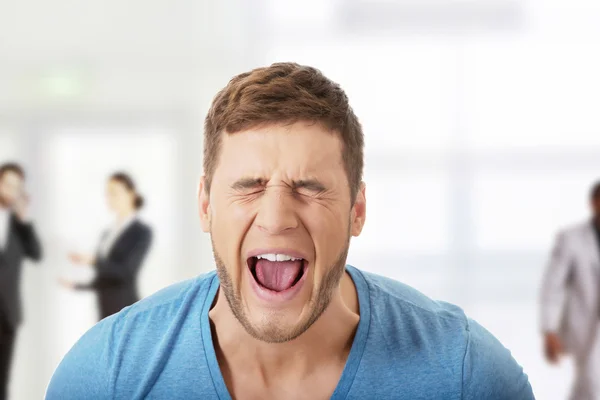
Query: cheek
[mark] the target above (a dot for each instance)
(229, 226)
(230, 218)
(242, 214)
(11, 193)
(329, 232)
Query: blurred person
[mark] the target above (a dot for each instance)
(121, 252)
(570, 301)
(18, 240)
(283, 316)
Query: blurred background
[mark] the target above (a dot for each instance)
(481, 122)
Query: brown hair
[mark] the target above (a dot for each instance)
(284, 93)
(127, 181)
(12, 167)
(595, 191)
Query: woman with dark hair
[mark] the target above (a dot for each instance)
(122, 249)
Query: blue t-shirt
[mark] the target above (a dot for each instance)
(406, 346)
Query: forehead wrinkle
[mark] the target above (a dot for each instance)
(273, 161)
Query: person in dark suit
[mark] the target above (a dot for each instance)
(18, 240)
(123, 248)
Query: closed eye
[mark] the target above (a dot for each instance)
(255, 186)
(309, 187)
(249, 185)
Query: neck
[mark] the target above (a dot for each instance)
(327, 341)
(123, 215)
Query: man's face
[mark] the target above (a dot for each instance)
(280, 218)
(11, 186)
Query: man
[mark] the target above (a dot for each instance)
(283, 317)
(17, 241)
(570, 301)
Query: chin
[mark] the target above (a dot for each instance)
(276, 329)
(276, 324)
(272, 316)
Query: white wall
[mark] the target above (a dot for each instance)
(481, 139)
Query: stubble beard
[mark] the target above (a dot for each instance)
(271, 330)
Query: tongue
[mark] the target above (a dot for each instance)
(277, 275)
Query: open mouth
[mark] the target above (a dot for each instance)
(277, 272)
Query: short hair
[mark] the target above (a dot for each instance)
(595, 191)
(12, 167)
(284, 93)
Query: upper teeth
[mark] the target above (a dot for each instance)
(277, 257)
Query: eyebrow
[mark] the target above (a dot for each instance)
(248, 183)
(310, 184)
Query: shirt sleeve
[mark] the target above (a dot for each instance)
(489, 370)
(554, 288)
(29, 240)
(84, 373)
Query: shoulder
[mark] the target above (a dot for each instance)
(574, 230)
(169, 296)
(390, 295)
(570, 236)
(409, 324)
(141, 225)
(159, 314)
(142, 228)
(160, 309)
(128, 340)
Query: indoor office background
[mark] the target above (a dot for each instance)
(481, 124)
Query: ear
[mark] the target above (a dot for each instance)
(359, 211)
(204, 205)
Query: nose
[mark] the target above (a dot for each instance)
(276, 213)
